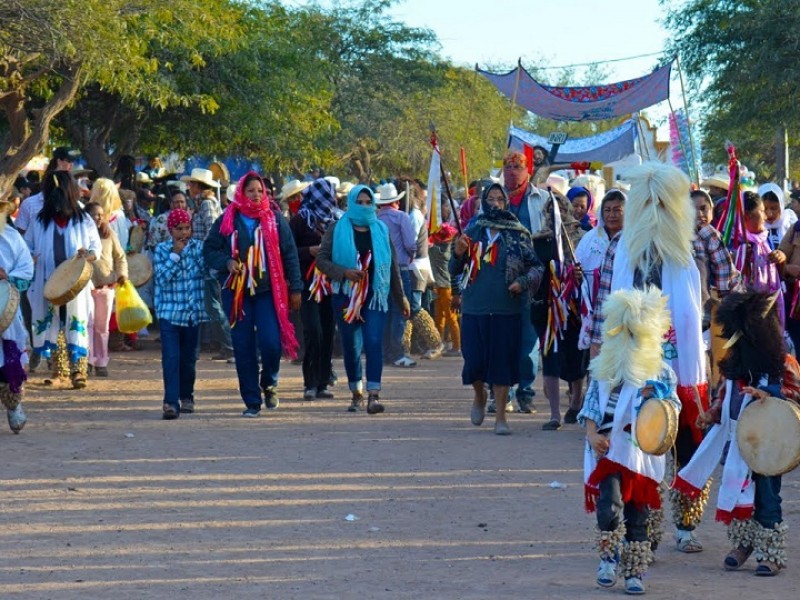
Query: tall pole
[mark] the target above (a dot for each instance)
(688, 121)
(516, 90)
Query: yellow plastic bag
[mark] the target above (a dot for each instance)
(132, 313)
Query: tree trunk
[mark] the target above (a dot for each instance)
(781, 156)
(20, 152)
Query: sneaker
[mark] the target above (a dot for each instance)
(271, 400)
(634, 586)
(187, 406)
(357, 403)
(607, 573)
(251, 413)
(333, 379)
(452, 354)
(170, 413)
(101, 371)
(309, 394)
(434, 352)
(571, 416)
(525, 405)
(16, 418)
(374, 405)
(324, 394)
(405, 362)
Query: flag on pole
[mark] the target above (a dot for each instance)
(435, 189)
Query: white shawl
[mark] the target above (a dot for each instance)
(16, 261)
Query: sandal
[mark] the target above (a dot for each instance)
(687, 542)
(767, 569)
(78, 381)
(737, 557)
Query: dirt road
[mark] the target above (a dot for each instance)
(103, 499)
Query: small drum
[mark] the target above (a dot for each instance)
(768, 434)
(9, 302)
(68, 280)
(656, 426)
(136, 239)
(140, 269)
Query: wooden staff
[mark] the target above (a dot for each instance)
(446, 183)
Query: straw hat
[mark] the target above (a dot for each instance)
(203, 176)
(295, 186)
(344, 188)
(142, 177)
(387, 193)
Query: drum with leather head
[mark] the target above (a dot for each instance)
(140, 269)
(68, 280)
(768, 434)
(656, 426)
(136, 239)
(9, 302)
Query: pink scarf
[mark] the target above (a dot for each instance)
(752, 260)
(270, 247)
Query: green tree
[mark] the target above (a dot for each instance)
(742, 63)
(52, 49)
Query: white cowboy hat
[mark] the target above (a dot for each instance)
(295, 186)
(203, 176)
(334, 181)
(142, 177)
(344, 188)
(387, 193)
(557, 183)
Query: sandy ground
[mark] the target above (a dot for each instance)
(103, 499)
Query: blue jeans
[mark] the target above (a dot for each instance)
(257, 329)
(219, 329)
(178, 361)
(358, 337)
(396, 326)
(767, 502)
(529, 357)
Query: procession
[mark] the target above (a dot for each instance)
(559, 362)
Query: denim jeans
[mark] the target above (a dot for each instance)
(611, 511)
(178, 361)
(318, 330)
(219, 329)
(258, 330)
(529, 357)
(396, 325)
(358, 337)
(767, 501)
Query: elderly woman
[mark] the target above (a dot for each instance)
(492, 269)
(61, 231)
(252, 249)
(582, 204)
(358, 257)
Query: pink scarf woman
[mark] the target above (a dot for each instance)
(265, 247)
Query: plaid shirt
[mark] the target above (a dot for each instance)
(207, 212)
(709, 249)
(591, 403)
(606, 272)
(179, 284)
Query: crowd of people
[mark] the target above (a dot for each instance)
(631, 288)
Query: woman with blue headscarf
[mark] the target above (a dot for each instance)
(492, 270)
(358, 258)
(316, 213)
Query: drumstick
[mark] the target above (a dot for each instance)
(698, 401)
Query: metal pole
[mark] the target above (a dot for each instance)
(688, 121)
(516, 89)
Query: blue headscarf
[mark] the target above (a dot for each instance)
(573, 193)
(344, 246)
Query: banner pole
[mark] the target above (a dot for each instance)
(688, 121)
(516, 89)
(680, 139)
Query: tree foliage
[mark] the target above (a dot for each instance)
(742, 59)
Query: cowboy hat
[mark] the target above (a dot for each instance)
(557, 183)
(720, 179)
(203, 176)
(142, 177)
(295, 186)
(387, 193)
(344, 188)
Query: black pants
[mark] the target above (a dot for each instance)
(611, 511)
(318, 326)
